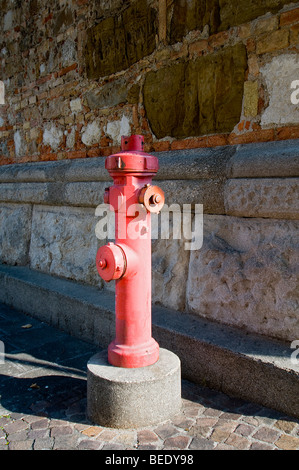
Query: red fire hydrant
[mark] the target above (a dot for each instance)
(128, 260)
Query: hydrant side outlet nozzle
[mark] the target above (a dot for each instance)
(128, 260)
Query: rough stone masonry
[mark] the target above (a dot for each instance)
(75, 73)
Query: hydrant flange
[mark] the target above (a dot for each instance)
(152, 197)
(110, 262)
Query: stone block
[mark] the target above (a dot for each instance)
(170, 263)
(268, 160)
(206, 192)
(86, 194)
(63, 242)
(218, 15)
(250, 99)
(194, 164)
(117, 42)
(199, 97)
(237, 12)
(275, 198)
(289, 17)
(246, 275)
(265, 25)
(195, 14)
(52, 135)
(15, 231)
(23, 192)
(115, 129)
(76, 105)
(2, 93)
(273, 41)
(278, 76)
(8, 20)
(91, 133)
(62, 20)
(109, 95)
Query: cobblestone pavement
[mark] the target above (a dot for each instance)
(43, 403)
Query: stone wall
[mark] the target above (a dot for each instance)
(197, 79)
(245, 273)
(185, 74)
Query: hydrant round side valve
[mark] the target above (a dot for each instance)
(110, 262)
(152, 197)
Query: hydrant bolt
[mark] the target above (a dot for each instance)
(156, 198)
(102, 263)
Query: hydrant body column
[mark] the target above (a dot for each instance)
(128, 261)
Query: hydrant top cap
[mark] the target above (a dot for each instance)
(132, 157)
(133, 143)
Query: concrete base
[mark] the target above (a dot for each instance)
(130, 398)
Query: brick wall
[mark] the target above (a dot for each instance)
(185, 74)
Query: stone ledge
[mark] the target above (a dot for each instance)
(254, 180)
(251, 367)
(261, 160)
(265, 160)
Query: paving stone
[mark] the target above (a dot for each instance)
(40, 424)
(38, 433)
(21, 445)
(266, 434)
(43, 444)
(212, 412)
(288, 443)
(222, 431)
(193, 411)
(148, 447)
(286, 426)
(251, 420)
(201, 444)
(182, 422)
(81, 426)
(146, 437)
(18, 436)
(239, 442)
(231, 416)
(88, 444)
(261, 446)
(166, 430)
(244, 429)
(3, 444)
(206, 422)
(108, 435)
(4, 420)
(224, 446)
(15, 426)
(65, 442)
(128, 438)
(177, 442)
(61, 431)
(113, 446)
(92, 431)
(30, 419)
